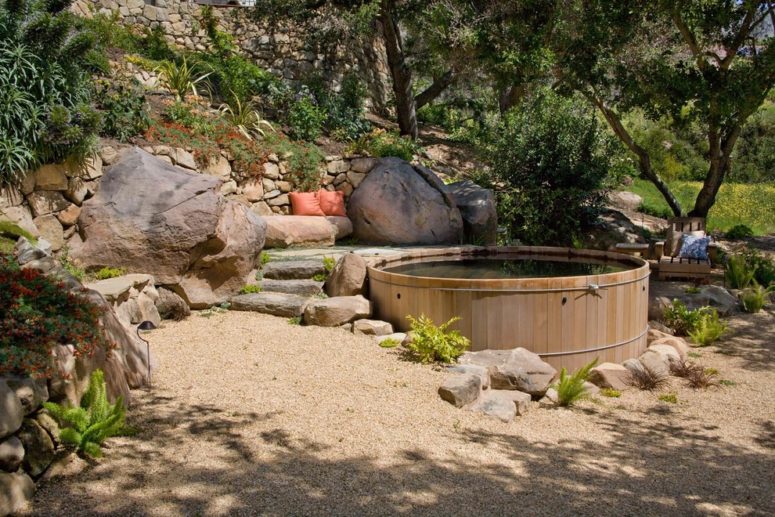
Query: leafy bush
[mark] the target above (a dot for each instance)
(124, 110)
(739, 231)
(708, 328)
(45, 88)
(380, 143)
(552, 159)
(570, 388)
(109, 272)
(738, 273)
(36, 313)
(250, 289)
(643, 379)
(305, 119)
(436, 343)
(680, 318)
(344, 109)
(89, 425)
(754, 298)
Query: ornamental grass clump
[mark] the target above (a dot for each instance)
(754, 298)
(38, 313)
(644, 379)
(570, 388)
(88, 426)
(436, 343)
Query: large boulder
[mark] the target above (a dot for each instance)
(610, 375)
(152, 217)
(477, 206)
(11, 410)
(399, 203)
(518, 369)
(348, 277)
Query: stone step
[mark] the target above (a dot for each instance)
(299, 287)
(276, 304)
(293, 269)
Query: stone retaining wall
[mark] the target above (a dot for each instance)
(283, 52)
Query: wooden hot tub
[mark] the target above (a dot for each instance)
(568, 320)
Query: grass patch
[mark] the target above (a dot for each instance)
(109, 272)
(389, 343)
(727, 382)
(611, 393)
(250, 289)
(751, 205)
(296, 320)
(670, 398)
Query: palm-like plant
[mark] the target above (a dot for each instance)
(245, 117)
(570, 388)
(183, 78)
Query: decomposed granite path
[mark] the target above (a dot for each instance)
(252, 415)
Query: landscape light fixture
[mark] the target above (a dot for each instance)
(144, 326)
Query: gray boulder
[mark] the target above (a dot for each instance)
(474, 369)
(502, 404)
(518, 369)
(16, 490)
(171, 306)
(30, 392)
(399, 203)
(348, 277)
(276, 304)
(152, 217)
(11, 454)
(293, 269)
(38, 447)
(477, 206)
(11, 410)
(460, 390)
(299, 287)
(333, 312)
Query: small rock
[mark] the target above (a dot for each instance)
(551, 397)
(305, 288)
(460, 390)
(678, 344)
(11, 410)
(663, 329)
(171, 306)
(11, 454)
(51, 229)
(473, 369)
(657, 306)
(332, 312)
(109, 155)
(634, 366)
(498, 404)
(397, 336)
(51, 177)
(658, 364)
(26, 252)
(591, 389)
(185, 159)
(30, 392)
(38, 447)
(44, 202)
(372, 327)
(219, 168)
(50, 425)
(610, 375)
(293, 270)
(672, 355)
(69, 216)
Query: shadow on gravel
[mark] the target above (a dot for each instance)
(670, 469)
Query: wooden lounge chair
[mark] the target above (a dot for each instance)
(670, 266)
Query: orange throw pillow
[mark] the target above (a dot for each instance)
(332, 203)
(305, 203)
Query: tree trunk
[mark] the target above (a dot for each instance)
(406, 110)
(644, 161)
(434, 90)
(720, 161)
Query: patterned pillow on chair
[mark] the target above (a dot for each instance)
(693, 247)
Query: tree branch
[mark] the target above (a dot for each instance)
(434, 90)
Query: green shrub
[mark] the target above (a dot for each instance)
(738, 273)
(344, 109)
(250, 289)
(45, 88)
(328, 264)
(109, 272)
(305, 119)
(89, 425)
(570, 388)
(670, 398)
(380, 143)
(124, 110)
(436, 343)
(38, 313)
(551, 159)
(611, 393)
(739, 231)
(708, 328)
(69, 266)
(754, 298)
(389, 343)
(762, 265)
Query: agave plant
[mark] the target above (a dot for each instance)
(183, 78)
(245, 117)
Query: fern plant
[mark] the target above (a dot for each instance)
(708, 328)
(436, 343)
(737, 272)
(754, 298)
(88, 426)
(570, 388)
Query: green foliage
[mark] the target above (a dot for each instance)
(682, 319)
(611, 393)
(670, 398)
(182, 78)
(739, 231)
(436, 343)
(344, 109)
(45, 88)
(124, 110)
(570, 388)
(109, 272)
(264, 259)
(552, 160)
(36, 314)
(305, 119)
(754, 298)
(380, 143)
(250, 289)
(68, 265)
(762, 265)
(245, 117)
(389, 343)
(320, 277)
(296, 320)
(9, 234)
(328, 264)
(708, 329)
(753, 159)
(89, 425)
(738, 273)
(304, 160)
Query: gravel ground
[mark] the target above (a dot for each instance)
(251, 415)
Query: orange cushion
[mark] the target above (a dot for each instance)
(306, 203)
(332, 203)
